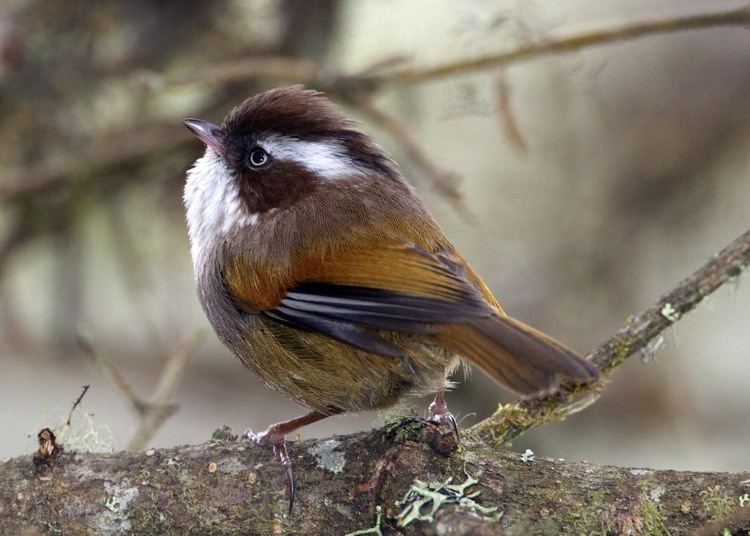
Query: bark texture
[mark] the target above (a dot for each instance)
(227, 486)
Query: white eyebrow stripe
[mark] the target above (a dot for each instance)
(325, 158)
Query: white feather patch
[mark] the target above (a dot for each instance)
(213, 205)
(326, 159)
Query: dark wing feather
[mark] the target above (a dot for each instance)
(343, 331)
(351, 314)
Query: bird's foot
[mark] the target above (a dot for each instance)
(275, 436)
(437, 413)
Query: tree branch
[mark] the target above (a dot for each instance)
(231, 487)
(571, 43)
(512, 420)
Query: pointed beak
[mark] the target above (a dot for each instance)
(210, 134)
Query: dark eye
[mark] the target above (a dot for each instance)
(258, 157)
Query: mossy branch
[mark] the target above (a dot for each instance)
(401, 480)
(512, 420)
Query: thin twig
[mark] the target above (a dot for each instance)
(76, 403)
(505, 111)
(512, 420)
(125, 390)
(571, 43)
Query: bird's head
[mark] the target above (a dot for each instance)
(271, 152)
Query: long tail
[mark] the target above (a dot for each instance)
(517, 355)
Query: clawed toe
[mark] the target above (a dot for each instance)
(276, 438)
(438, 413)
(275, 435)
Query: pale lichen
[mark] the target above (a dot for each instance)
(231, 466)
(375, 529)
(648, 352)
(656, 494)
(423, 500)
(114, 517)
(670, 313)
(328, 458)
(641, 472)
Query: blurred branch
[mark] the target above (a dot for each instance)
(571, 43)
(161, 408)
(155, 139)
(17, 233)
(508, 120)
(92, 164)
(153, 414)
(445, 182)
(371, 79)
(512, 420)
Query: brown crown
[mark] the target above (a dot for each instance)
(289, 111)
(304, 114)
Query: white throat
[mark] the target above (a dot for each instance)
(213, 205)
(212, 198)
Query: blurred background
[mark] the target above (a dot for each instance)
(581, 185)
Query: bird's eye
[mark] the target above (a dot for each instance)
(258, 157)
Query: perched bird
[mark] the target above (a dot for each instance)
(323, 271)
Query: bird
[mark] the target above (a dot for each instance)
(320, 267)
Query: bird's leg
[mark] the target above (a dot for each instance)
(276, 435)
(437, 412)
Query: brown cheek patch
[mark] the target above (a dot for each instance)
(281, 185)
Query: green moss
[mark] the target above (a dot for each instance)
(506, 422)
(717, 503)
(654, 521)
(622, 351)
(150, 518)
(596, 518)
(223, 434)
(403, 429)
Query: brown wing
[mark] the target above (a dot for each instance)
(352, 294)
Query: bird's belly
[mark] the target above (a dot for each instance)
(326, 375)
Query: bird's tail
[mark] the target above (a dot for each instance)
(517, 355)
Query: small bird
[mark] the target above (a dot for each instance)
(323, 271)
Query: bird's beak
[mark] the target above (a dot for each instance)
(210, 134)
